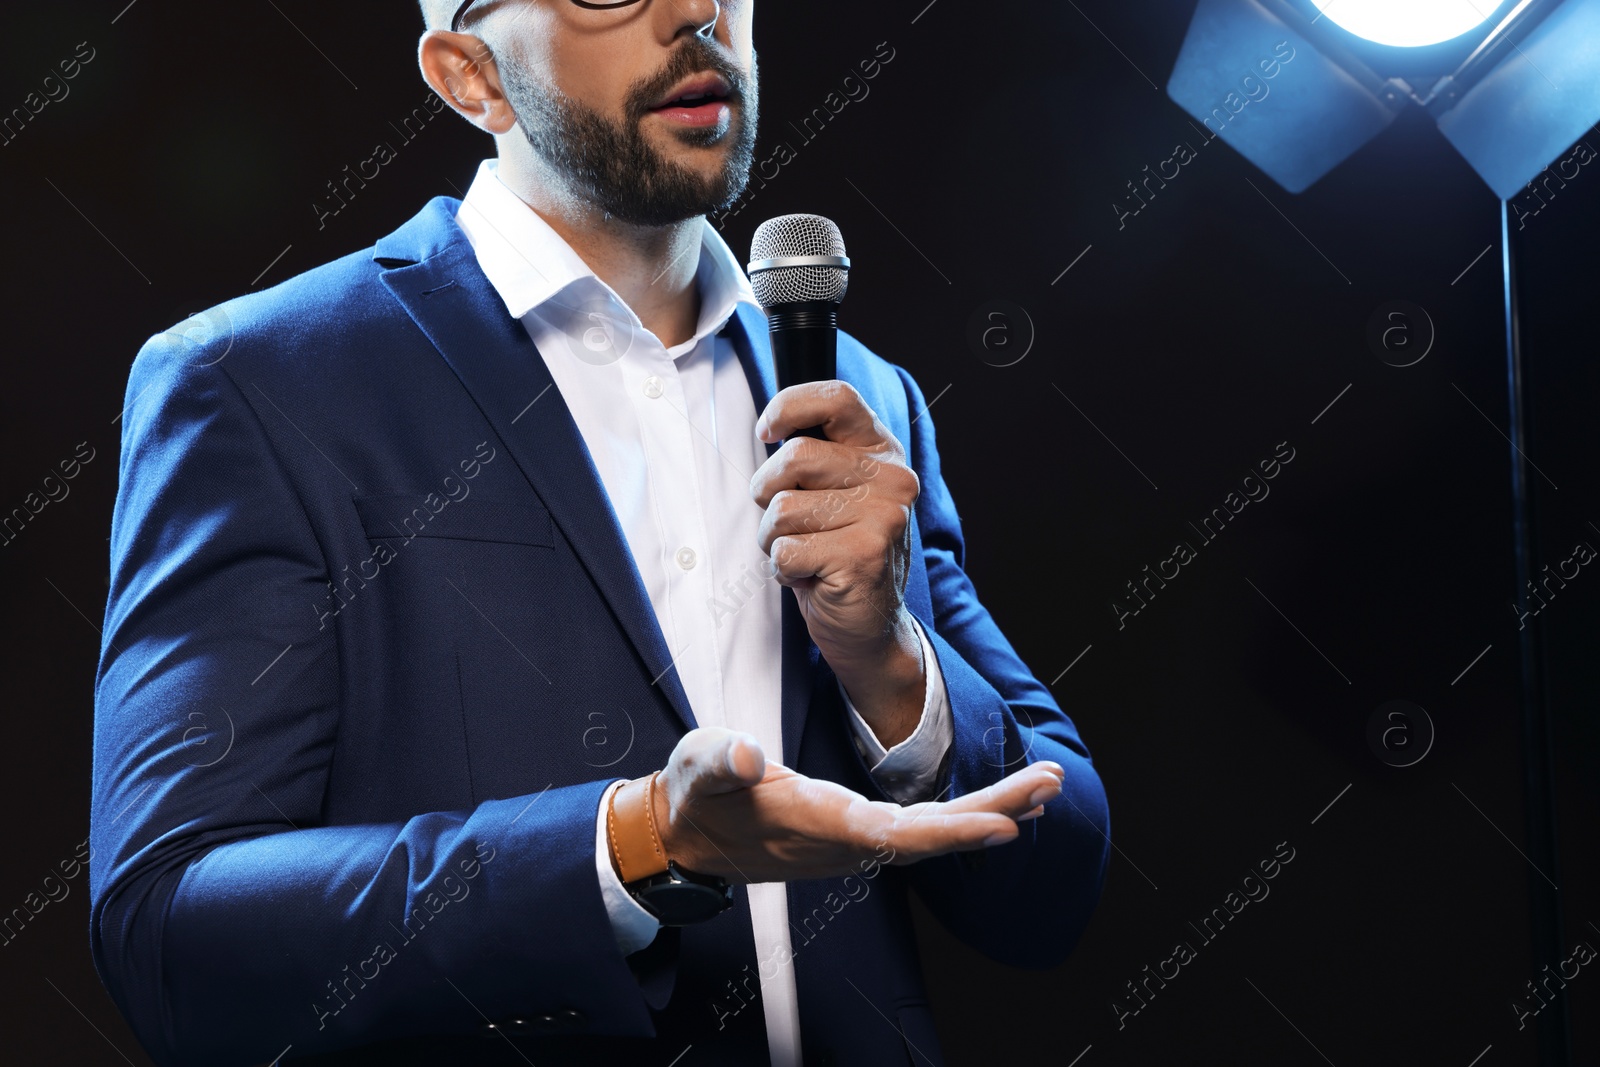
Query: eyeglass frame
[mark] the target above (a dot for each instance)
(455, 22)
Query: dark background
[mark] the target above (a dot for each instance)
(1228, 716)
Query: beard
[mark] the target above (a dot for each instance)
(613, 166)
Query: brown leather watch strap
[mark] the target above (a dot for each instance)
(636, 847)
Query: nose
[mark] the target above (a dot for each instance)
(703, 17)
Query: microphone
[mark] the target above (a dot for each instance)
(799, 271)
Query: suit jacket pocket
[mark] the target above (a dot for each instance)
(403, 516)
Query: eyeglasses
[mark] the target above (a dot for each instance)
(455, 23)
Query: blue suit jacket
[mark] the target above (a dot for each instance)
(375, 645)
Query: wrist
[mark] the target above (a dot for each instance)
(891, 658)
(887, 686)
(674, 895)
(633, 829)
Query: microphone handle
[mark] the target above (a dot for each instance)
(805, 345)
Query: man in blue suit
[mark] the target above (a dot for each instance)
(491, 672)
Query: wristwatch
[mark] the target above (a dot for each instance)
(674, 895)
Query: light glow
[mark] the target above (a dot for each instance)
(1407, 23)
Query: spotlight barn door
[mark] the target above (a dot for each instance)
(1253, 81)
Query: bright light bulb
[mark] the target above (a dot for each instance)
(1407, 23)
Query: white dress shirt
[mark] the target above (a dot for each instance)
(672, 433)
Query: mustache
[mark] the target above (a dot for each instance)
(695, 56)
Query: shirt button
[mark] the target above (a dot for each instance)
(652, 387)
(686, 557)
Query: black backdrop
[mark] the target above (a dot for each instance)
(1184, 345)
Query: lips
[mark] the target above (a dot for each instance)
(702, 90)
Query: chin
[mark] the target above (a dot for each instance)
(707, 161)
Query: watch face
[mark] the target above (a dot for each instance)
(680, 902)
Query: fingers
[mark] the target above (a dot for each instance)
(812, 464)
(746, 762)
(835, 405)
(982, 819)
(917, 835)
(713, 759)
(803, 511)
(807, 463)
(1017, 793)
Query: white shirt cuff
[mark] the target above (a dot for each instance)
(907, 772)
(634, 927)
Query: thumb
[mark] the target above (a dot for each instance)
(722, 760)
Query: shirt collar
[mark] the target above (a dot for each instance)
(530, 265)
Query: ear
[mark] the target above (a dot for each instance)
(461, 69)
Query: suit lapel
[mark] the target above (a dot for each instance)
(435, 276)
(452, 302)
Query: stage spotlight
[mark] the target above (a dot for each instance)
(1298, 86)
(1405, 24)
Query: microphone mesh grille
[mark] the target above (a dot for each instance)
(798, 235)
